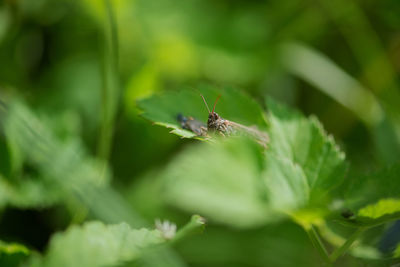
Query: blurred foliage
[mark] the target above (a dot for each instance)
(11, 254)
(301, 164)
(79, 81)
(106, 245)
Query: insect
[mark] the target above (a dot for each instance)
(216, 124)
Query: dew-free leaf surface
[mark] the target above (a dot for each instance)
(96, 244)
(220, 181)
(163, 109)
(304, 143)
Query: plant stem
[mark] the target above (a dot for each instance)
(110, 90)
(316, 241)
(346, 245)
(196, 224)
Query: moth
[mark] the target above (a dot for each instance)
(218, 125)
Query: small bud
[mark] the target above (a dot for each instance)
(167, 228)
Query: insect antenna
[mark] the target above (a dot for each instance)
(216, 100)
(205, 102)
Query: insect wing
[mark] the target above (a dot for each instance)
(261, 137)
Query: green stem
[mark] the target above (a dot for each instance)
(346, 245)
(195, 225)
(316, 241)
(110, 90)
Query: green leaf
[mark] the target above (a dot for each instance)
(163, 109)
(12, 254)
(381, 208)
(221, 181)
(285, 184)
(303, 142)
(96, 244)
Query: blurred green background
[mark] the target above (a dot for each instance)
(82, 65)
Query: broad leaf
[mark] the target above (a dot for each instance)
(163, 109)
(303, 142)
(285, 184)
(313, 165)
(96, 244)
(220, 181)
